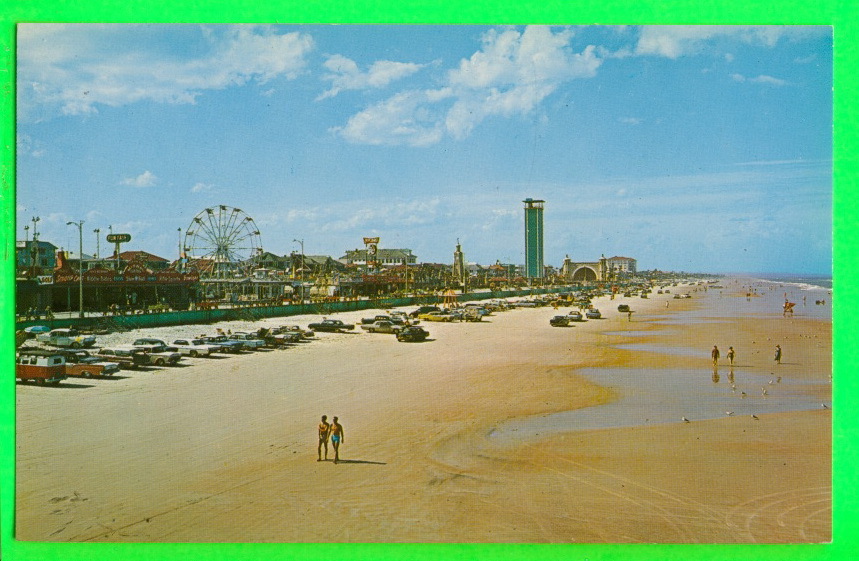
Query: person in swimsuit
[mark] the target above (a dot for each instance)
(324, 431)
(336, 438)
(731, 355)
(714, 354)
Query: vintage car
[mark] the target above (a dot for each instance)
(623, 308)
(331, 325)
(412, 334)
(82, 363)
(424, 310)
(383, 326)
(227, 345)
(560, 321)
(374, 319)
(41, 367)
(126, 357)
(250, 340)
(593, 313)
(436, 316)
(575, 315)
(157, 352)
(305, 333)
(66, 337)
(195, 347)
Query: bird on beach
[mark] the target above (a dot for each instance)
(755, 417)
(778, 380)
(685, 420)
(729, 413)
(771, 382)
(742, 395)
(824, 406)
(764, 391)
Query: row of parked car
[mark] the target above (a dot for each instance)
(76, 356)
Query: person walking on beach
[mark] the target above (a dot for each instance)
(715, 355)
(324, 431)
(730, 355)
(778, 354)
(337, 438)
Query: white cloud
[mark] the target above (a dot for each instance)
(762, 79)
(674, 41)
(630, 120)
(201, 187)
(344, 74)
(72, 69)
(392, 215)
(406, 118)
(511, 75)
(145, 179)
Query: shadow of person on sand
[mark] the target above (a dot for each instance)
(359, 462)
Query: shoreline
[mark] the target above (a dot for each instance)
(223, 450)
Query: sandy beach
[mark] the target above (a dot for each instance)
(506, 430)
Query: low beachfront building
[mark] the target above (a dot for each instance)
(384, 257)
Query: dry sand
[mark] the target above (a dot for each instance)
(224, 449)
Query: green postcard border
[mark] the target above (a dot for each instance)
(841, 14)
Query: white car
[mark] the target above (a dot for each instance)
(66, 338)
(194, 347)
(250, 341)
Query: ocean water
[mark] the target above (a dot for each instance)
(802, 282)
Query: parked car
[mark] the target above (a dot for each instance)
(385, 326)
(304, 333)
(575, 315)
(412, 334)
(250, 341)
(593, 313)
(66, 337)
(374, 319)
(126, 357)
(331, 325)
(195, 347)
(424, 310)
(227, 345)
(157, 351)
(41, 367)
(623, 308)
(81, 363)
(436, 316)
(560, 321)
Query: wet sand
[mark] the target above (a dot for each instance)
(224, 449)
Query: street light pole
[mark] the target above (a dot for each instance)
(97, 242)
(301, 271)
(80, 225)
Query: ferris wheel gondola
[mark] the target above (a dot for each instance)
(222, 242)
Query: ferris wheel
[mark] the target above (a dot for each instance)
(222, 242)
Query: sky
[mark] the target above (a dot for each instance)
(688, 148)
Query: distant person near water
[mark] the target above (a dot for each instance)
(715, 355)
(730, 355)
(778, 354)
(324, 431)
(337, 438)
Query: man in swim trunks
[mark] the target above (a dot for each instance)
(324, 431)
(336, 438)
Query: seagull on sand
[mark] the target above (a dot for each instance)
(742, 395)
(729, 413)
(685, 420)
(764, 391)
(778, 380)
(824, 406)
(755, 417)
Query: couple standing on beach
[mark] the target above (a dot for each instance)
(714, 354)
(334, 430)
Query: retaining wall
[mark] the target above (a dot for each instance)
(254, 313)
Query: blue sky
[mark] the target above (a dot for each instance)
(705, 148)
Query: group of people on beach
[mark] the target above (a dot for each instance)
(715, 355)
(332, 430)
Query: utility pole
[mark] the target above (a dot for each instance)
(80, 225)
(301, 271)
(35, 247)
(97, 242)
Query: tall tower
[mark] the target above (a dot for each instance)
(533, 238)
(459, 265)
